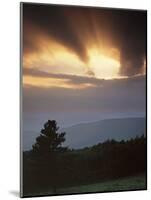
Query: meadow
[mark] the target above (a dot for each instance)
(131, 183)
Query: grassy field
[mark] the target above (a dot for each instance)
(122, 184)
(130, 183)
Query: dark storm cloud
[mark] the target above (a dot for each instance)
(131, 28)
(53, 21)
(74, 27)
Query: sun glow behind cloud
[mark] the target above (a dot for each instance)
(55, 58)
(86, 42)
(103, 66)
(98, 55)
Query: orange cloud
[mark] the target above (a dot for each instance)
(55, 58)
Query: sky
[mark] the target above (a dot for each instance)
(82, 64)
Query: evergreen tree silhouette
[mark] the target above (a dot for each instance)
(50, 140)
(47, 148)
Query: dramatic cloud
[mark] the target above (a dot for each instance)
(118, 34)
(52, 22)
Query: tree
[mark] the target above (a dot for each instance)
(50, 140)
(47, 148)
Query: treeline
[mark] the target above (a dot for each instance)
(108, 160)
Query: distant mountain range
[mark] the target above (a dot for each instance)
(88, 134)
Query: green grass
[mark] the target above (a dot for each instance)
(130, 183)
(122, 184)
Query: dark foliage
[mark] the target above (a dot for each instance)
(49, 140)
(50, 167)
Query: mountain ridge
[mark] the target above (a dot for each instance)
(87, 134)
